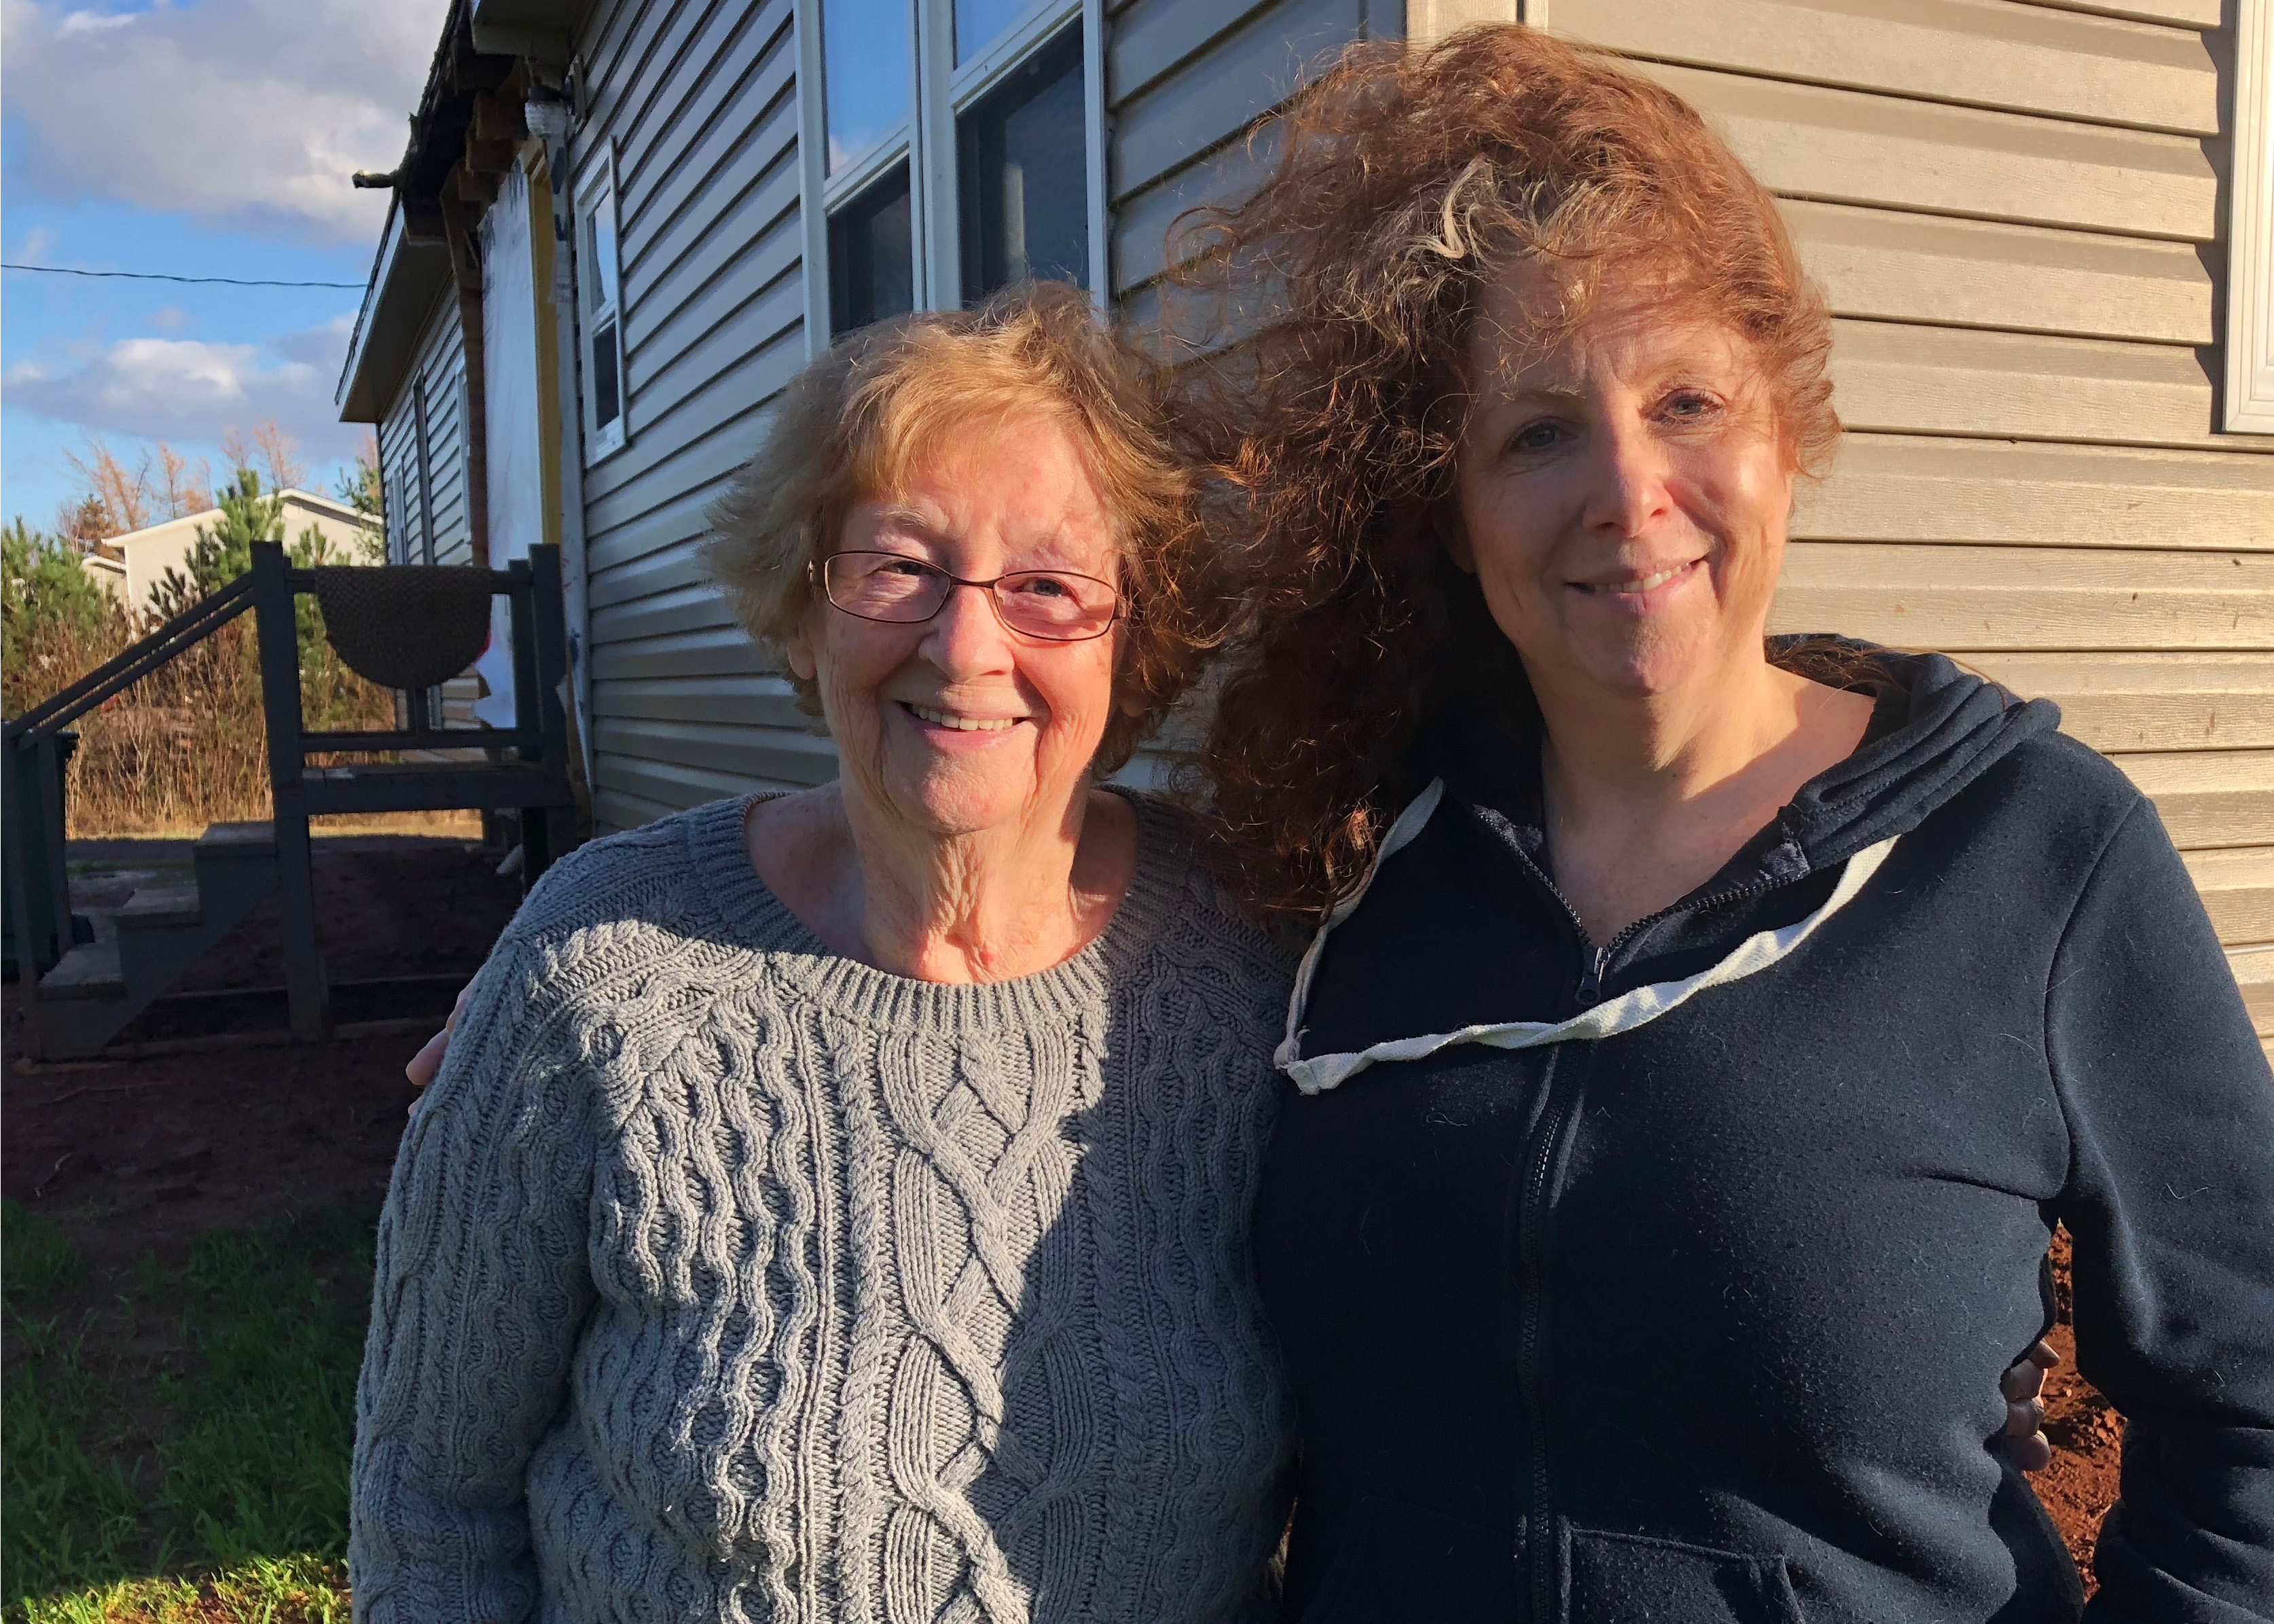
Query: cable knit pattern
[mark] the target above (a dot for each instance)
(723, 1277)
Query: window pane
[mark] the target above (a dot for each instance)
(980, 23)
(602, 243)
(1025, 176)
(872, 256)
(608, 388)
(864, 69)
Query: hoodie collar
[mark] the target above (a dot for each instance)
(1953, 726)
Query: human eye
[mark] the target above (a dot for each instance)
(1691, 405)
(1034, 583)
(1541, 435)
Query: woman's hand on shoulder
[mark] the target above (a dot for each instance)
(2024, 1443)
(427, 1065)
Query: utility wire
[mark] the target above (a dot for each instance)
(231, 282)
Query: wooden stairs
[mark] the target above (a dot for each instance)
(98, 986)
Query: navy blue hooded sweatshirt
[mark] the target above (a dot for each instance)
(1694, 1310)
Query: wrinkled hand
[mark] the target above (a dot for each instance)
(2023, 1443)
(428, 1060)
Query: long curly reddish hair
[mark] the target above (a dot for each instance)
(1335, 307)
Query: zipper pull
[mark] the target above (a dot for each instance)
(1591, 975)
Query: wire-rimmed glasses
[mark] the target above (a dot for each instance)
(1053, 606)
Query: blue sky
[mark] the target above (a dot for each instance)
(202, 138)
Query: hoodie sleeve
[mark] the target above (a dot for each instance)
(2170, 1199)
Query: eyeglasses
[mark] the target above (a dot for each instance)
(1054, 605)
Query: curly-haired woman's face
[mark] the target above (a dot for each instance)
(1624, 494)
(958, 724)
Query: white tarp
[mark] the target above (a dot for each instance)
(514, 428)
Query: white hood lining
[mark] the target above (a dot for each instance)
(1608, 1019)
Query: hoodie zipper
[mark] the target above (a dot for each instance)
(1541, 1547)
(1531, 1377)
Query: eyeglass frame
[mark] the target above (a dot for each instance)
(816, 576)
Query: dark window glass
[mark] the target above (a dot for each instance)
(1025, 176)
(872, 256)
(864, 73)
(608, 388)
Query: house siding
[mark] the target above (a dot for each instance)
(2015, 208)
(698, 102)
(2016, 211)
(437, 376)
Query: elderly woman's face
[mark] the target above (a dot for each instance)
(1624, 494)
(959, 723)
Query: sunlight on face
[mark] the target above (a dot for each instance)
(1623, 492)
(958, 724)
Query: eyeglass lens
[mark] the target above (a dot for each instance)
(1055, 604)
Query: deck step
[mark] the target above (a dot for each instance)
(88, 971)
(154, 907)
(238, 840)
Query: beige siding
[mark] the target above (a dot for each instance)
(2014, 213)
(698, 102)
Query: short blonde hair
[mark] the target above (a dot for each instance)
(850, 426)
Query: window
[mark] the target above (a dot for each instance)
(2250, 249)
(872, 259)
(599, 280)
(955, 145)
(1025, 180)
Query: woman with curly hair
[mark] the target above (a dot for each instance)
(1702, 1035)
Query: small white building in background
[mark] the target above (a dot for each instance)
(131, 566)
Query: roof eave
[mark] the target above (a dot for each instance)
(405, 280)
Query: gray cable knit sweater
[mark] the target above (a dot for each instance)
(723, 1277)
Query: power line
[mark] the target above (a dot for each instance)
(230, 282)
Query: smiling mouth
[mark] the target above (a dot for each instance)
(1640, 584)
(961, 724)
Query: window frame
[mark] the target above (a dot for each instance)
(598, 190)
(2249, 402)
(939, 94)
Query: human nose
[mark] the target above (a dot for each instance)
(1626, 484)
(968, 638)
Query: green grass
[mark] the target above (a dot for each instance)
(177, 1439)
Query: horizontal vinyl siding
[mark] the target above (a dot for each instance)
(698, 100)
(2013, 212)
(438, 374)
(1186, 82)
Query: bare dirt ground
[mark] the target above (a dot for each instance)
(137, 1157)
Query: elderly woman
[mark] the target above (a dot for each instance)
(835, 1205)
(1704, 1036)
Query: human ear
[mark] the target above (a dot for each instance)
(799, 652)
(1457, 545)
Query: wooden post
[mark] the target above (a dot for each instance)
(304, 987)
(19, 899)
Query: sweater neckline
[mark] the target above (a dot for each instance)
(751, 917)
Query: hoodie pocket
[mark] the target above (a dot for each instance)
(1629, 1578)
(1399, 1563)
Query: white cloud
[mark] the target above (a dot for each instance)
(246, 113)
(191, 392)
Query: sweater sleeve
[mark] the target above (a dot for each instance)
(2170, 1199)
(480, 1292)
